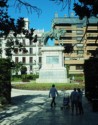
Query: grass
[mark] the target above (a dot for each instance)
(16, 79)
(46, 86)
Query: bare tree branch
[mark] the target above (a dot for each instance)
(20, 3)
(65, 3)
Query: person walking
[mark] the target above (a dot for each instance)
(74, 101)
(53, 93)
(80, 106)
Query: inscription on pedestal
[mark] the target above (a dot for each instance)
(52, 59)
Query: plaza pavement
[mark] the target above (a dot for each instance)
(33, 108)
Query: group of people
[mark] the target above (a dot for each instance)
(75, 99)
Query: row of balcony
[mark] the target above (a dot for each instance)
(74, 62)
(27, 54)
(76, 71)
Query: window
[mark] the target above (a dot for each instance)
(31, 50)
(69, 31)
(40, 59)
(65, 38)
(91, 44)
(30, 67)
(94, 38)
(91, 31)
(79, 32)
(23, 59)
(80, 52)
(73, 31)
(79, 67)
(79, 38)
(31, 59)
(79, 45)
(92, 24)
(16, 42)
(66, 58)
(16, 60)
(79, 25)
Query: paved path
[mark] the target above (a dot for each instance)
(33, 108)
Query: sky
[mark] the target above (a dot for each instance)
(44, 20)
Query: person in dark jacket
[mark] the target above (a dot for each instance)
(80, 106)
(74, 101)
(53, 93)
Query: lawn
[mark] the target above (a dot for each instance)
(46, 86)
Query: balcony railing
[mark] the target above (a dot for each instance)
(91, 47)
(74, 62)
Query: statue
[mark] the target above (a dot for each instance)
(53, 34)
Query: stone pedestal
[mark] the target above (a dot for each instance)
(52, 70)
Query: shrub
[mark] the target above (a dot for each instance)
(30, 76)
(35, 76)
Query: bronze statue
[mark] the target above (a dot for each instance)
(53, 34)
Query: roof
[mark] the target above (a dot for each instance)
(72, 20)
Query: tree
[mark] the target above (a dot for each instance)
(17, 67)
(5, 81)
(23, 70)
(9, 25)
(23, 73)
(15, 27)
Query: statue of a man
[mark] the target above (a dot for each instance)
(53, 34)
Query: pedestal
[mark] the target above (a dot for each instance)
(53, 70)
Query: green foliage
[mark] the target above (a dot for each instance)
(78, 77)
(23, 70)
(82, 8)
(16, 67)
(35, 76)
(29, 76)
(19, 78)
(68, 48)
(86, 8)
(5, 81)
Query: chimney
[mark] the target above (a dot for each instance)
(26, 23)
(56, 15)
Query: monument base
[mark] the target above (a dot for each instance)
(52, 76)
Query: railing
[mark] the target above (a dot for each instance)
(74, 62)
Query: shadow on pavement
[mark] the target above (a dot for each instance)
(35, 110)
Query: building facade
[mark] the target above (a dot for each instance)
(82, 44)
(31, 59)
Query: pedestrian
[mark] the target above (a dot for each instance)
(53, 93)
(80, 106)
(74, 101)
